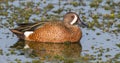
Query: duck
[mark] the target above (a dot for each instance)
(55, 31)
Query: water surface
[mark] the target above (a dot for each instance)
(100, 41)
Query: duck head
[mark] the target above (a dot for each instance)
(72, 18)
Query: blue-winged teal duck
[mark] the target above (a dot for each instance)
(67, 30)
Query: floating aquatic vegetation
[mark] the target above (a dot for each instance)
(118, 25)
(94, 3)
(75, 4)
(108, 1)
(36, 61)
(118, 45)
(18, 60)
(107, 7)
(95, 16)
(1, 51)
(98, 33)
(109, 16)
(49, 7)
(59, 11)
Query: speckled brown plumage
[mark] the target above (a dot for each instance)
(56, 32)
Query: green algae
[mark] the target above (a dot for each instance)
(58, 11)
(118, 45)
(1, 51)
(36, 61)
(118, 25)
(95, 3)
(49, 7)
(75, 4)
(98, 33)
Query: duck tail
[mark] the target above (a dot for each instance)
(19, 34)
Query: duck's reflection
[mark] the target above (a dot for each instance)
(49, 51)
(52, 50)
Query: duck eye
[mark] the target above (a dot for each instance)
(72, 17)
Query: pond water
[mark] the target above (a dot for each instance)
(100, 42)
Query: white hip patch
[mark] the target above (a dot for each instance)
(27, 33)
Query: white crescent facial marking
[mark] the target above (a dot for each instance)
(27, 33)
(74, 20)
